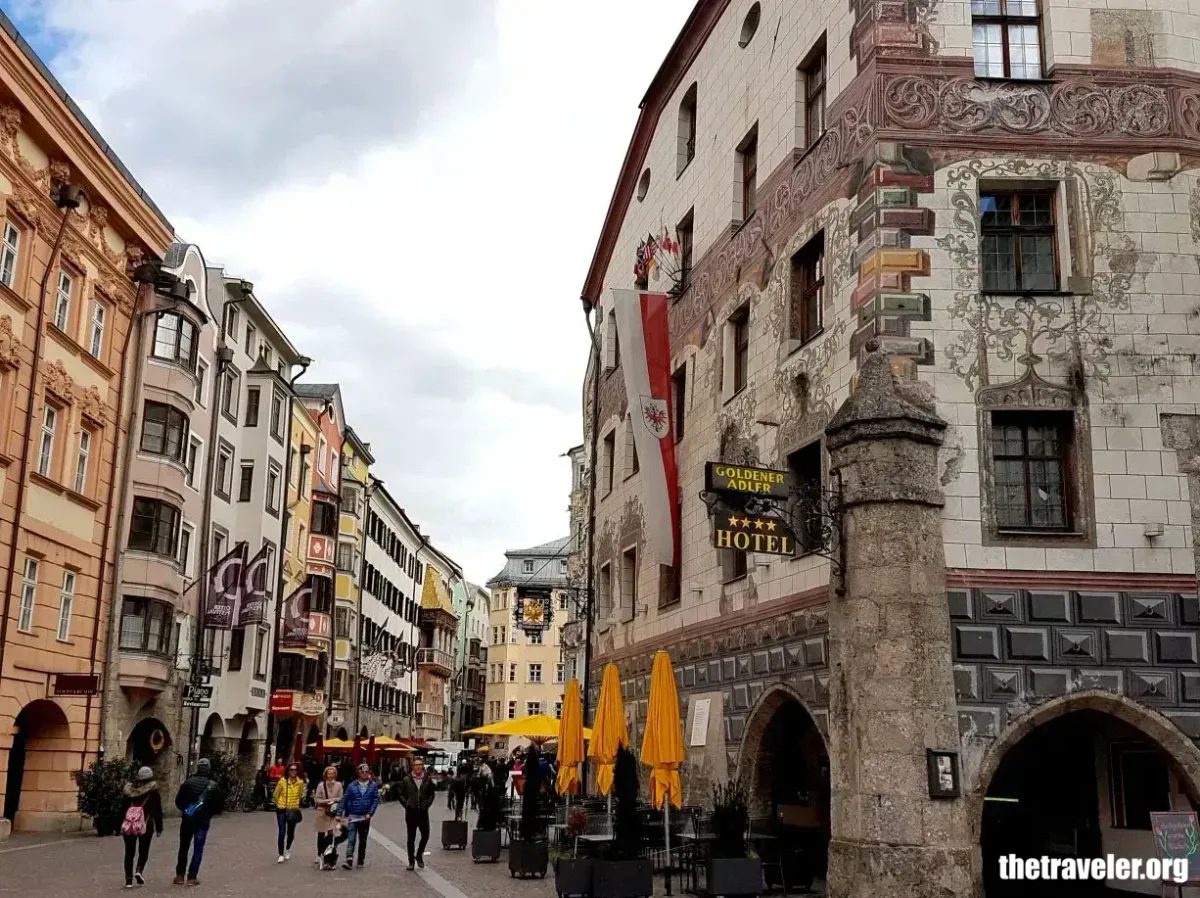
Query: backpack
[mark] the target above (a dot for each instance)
(134, 823)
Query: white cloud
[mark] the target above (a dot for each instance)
(416, 196)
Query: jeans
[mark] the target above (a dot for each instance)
(416, 820)
(191, 836)
(140, 844)
(287, 830)
(357, 834)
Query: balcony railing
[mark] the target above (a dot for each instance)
(429, 721)
(435, 658)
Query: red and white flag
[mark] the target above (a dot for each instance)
(646, 357)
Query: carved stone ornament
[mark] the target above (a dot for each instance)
(9, 351)
(29, 206)
(119, 291)
(60, 173)
(91, 404)
(1031, 391)
(59, 382)
(1072, 108)
(10, 123)
(74, 253)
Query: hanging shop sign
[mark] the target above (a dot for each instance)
(76, 684)
(746, 481)
(744, 532)
(310, 704)
(282, 701)
(197, 696)
(533, 611)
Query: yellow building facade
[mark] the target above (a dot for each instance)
(438, 646)
(355, 486)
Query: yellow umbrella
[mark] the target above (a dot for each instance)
(534, 727)
(662, 745)
(334, 745)
(608, 728)
(570, 740)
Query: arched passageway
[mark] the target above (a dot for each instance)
(341, 734)
(1080, 785)
(150, 745)
(38, 788)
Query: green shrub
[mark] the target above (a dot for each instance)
(101, 792)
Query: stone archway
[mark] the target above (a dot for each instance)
(150, 745)
(39, 794)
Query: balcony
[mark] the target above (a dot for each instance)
(436, 659)
(431, 717)
(143, 670)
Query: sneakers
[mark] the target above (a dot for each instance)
(421, 863)
(411, 866)
(287, 855)
(129, 884)
(193, 882)
(279, 860)
(139, 878)
(349, 865)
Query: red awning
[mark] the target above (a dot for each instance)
(418, 745)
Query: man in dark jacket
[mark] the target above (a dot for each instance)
(194, 800)
(417, 794)
(359, 804)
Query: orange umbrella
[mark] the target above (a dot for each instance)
(570, 740)
(609, 730)
(662, 745)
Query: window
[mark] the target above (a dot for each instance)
(533, 708)
(558, 710)
(350, 496)
(1139, 785)
(237, 647)
(512, 710)
(185, 549)
(739, 348)
(219, 539)
(748, 172)
(684, 233)
(512, 672)
(686, 151)
(616, 339)
(96, 330)
(251, 339)
(231, 390)
(274, 478)
(202, 383)
(604, 592)
(341, 621)
(610, 454)
(267, 355)
(1017, 242)
(805, 469)
(535, 637)
(1007, 38)
(154, 527)
(260, 654)
(246, 485)
(679, 400)
(812, 79)
(193, 455)
(253, 395)
(1029, 467)
(175, 340)
(808, 286)
(733, 565)
(231, 320)
(81, 460)
(224, 478)
(629, 581)
(146, 625)
(321, 450)
(62, 302)
(8, 254)
(528, 565)
(345, 557)
(28, 596)
(560, 670)
(276, 414)
(631, 457)
(164, 430)
(535, 673)
(46, 449)
(324, 519)
(322, 594)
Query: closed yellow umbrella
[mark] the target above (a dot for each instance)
(609, 730)
(570, 740)
(662, 745)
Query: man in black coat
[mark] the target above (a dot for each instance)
(195, 801)
(417, 793)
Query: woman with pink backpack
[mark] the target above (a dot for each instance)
(143, 817)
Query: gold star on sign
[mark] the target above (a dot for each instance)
(758, 524)
(733, 521)
(770, 526)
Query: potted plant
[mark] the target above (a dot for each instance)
(572, 873)
(454, 832)
(486, 839)
(529, 853)
(624, 873)
(732, 868)
(101, 793)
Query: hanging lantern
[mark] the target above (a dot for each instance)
(158, 741)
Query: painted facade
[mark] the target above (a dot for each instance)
(352, 523)
(471, 604)
(438, 647)
(841, 188)
(64, 361)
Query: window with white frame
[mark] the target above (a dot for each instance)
(512, 709)
(528, 565)
(558, 710)
(224, 478)
(186, 532)
(321, 450)
(96, 329)
(1007, 38)
(66, 604)
(512, 672)
(8, 254)
(81, 460)
(560, 671)
(535, 673)
(274, 478)
(62, 301)
(533, 708)
(28, 596)
(231, 393)
(202, 383)
(535, 637)
(46, 443)
(193, 459)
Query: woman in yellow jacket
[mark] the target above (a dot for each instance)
(289, 793)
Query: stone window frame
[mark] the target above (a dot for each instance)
(1032, 393)
(1071, 230)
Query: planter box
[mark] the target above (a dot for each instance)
(623, 879)
(734, 876)
(573, 877)
(454, 834)
(485, 845)
(528, 858)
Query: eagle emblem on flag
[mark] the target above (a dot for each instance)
(655, 416)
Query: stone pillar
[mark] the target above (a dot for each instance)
(891, 689)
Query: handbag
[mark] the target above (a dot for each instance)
(293, 815)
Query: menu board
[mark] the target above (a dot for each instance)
(1176, 835)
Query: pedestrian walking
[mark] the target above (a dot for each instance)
(417, 794)
(359, 804)
(195, 800)
(328, 799)
(289, 793)
(141, 820)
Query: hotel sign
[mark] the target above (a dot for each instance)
(743, 480)
(752, 533)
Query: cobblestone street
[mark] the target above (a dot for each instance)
(240, 860)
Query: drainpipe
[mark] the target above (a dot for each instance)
(303, 362)
(167, 286)
(69, 197)
(373, 483)
(589, 609)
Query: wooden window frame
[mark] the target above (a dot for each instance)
(1066, 425)
(1004, 20)
(815, 71)
(739, 323)
(808, 287)
(1016, 231)
(748, 160)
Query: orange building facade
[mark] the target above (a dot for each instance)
(75, 227)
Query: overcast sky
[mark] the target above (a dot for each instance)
(415, 187)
